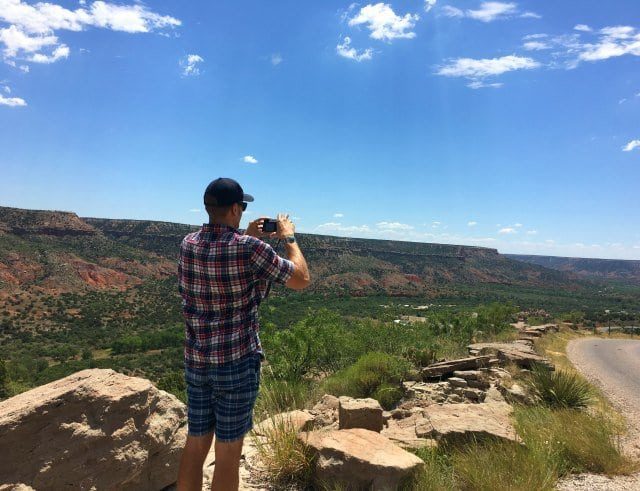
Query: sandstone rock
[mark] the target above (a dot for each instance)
(300, 420)
(478, 384)
(515, 393)
(402, 432)
(468, 374)
(360, 413)
(447, 367)
(360, 458)
(462, 422)
(521, 354)
(457, 382)
(475, 395)
(95, 429)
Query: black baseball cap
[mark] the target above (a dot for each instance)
(224, 192)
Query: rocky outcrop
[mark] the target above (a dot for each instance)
(95, 429)
(519, 352)
(362, 458)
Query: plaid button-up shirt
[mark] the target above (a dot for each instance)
(223, 276)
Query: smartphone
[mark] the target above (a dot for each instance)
(269, 225)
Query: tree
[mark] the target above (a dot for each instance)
(4, 380)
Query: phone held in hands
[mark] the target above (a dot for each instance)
(269, 225)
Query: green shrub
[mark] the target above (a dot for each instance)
(436, 474)
(560, 389)
(278, 396)
(376, 375)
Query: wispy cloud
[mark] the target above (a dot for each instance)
(338, 215)
(477, 84)
(12, 101)
(249, 159)
(532, 232)
(507, 231)
(613, 42)
(276, 59)
(478, 69)
(472, 224)
(191, 65)
(631, 145)
(582, 28)
(489, 12)
(195, 210)
(345, 50)
(30, 32)
(393, 226)
(383, 23)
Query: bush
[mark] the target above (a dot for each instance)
(560, 389)
(278, 396)
(376, 375)
(436, 474)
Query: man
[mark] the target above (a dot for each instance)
(223, 275)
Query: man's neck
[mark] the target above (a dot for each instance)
(222, 222)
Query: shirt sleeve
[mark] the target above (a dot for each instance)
(267, 265)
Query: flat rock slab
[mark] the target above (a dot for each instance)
(299, 420)
(95, 429)
(360, 458)
(403, 432)
(520, 353)
(455, 423)
(446, 367)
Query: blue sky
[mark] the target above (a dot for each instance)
(512, 125)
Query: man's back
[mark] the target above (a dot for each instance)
(223, 277)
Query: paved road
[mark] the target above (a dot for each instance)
(614, 366)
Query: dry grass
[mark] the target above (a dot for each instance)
(284, 455)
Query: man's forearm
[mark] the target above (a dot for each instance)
(294, 254)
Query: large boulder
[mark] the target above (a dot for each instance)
(95, 429)
(359, 458)
(465, 422)
(360, 413)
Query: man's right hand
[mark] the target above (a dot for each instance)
(286, 228)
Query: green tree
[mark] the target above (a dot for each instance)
(4, 380)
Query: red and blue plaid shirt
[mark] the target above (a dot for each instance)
(223, 276)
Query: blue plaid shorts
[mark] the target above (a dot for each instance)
(220, 398)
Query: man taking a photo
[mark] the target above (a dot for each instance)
(223, 275)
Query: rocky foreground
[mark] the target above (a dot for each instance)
(98, 429)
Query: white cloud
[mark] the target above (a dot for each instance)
(195, 210)
(477, 84)
(276, 59)
(59, 53)
(384, 23)
(338, 215)
(345, 50)
(249, 159)
(535, 36)
(472, 224)
(536, 45)
(393, 226)
(190, 65)
(518, 225)
(429, 4)
(532, 232)
(33, 27)
(338, 227)
(631, 145)
(582, 28)
(7, 89)
(480, 68)
(490, 11)
(507, 231)
(449, 11)
(613, 42)
(12, 101)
